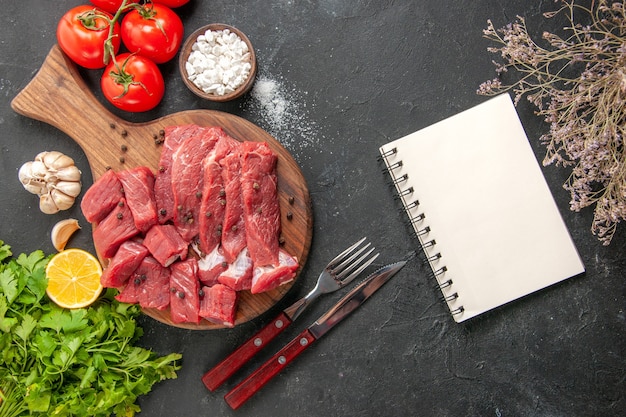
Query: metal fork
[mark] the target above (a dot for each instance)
(340, 271)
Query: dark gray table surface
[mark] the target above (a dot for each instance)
(353, 75)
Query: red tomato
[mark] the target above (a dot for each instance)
(111, 6)
(171, 3)
(82, 33)
(153, 31)
(132, 83)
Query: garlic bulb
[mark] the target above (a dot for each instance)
(54, 178)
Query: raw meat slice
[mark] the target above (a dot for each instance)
(238, 276)
(138, 184)
(213, 201)
(267, 278)
(101, 197)
(233, 226)
(165, 244)
(115, 229)
(123, 264)
(184, 292)
(260, 202)
(129, 294)
(219, 304)
(187, 181)
(163, 194)
(149, 286)
(154, 283)
(210, 266)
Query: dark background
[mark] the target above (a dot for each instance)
(354, 75)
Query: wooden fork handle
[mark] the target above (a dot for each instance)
(257, 380)
(227, 367)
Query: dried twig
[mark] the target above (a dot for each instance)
(578, 84)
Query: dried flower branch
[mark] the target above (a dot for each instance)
(578, 84)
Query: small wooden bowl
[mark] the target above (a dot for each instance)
(186, 51)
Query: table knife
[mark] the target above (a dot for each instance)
(249, 386)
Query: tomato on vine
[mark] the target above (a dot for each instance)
(111, 6)
(154, 31)
(132, 83)
(83, 32)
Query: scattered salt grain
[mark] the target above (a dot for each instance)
(219, 62)
(283, 113)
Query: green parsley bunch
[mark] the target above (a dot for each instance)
(59, 362)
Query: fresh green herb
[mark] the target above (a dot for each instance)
(59, 362)
(578, 84)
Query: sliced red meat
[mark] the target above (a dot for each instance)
(213, 201)
(165, 244)
(267, 278)
(210, 266)
(184, 292)
(260, 202)
(138, 184)
(149, 285)
(187, 180)
(233, 225)
(115, 229)
(163, 194)
(238, 276)
(101, 197)
(154, 282)
(123, 264)
(129, 294)
(219, 305)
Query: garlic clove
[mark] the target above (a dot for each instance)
(38, 169)
(56, 160)
(61, 200)
(70, 188)
(24, 174)
(31, 184)
(40, 155)
(62, 231)
(47, 204)
(35, 186)
(69, 173)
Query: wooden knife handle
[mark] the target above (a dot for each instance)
(227, 367)
(249, 386)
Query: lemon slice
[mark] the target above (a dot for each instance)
(73, 278)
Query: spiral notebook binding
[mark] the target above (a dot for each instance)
(422, 231)
(389, 152)
(445, 284)
(412, 205)
(400, 179)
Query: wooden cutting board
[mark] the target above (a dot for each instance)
(59, 96)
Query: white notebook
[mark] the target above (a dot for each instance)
(481, 208)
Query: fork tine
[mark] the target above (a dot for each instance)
(339, 258)
(349, 262)
(355, 273)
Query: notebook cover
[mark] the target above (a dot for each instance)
(488, 208)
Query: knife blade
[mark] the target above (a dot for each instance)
(350, 302)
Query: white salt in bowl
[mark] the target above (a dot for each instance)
(217, 62)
